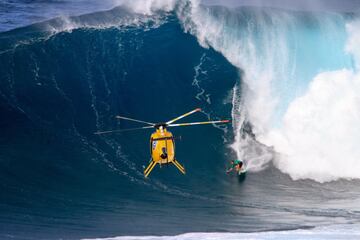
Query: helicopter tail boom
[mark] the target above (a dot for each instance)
(198, 123)
(184, 115)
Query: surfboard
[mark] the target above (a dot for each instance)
(242, 174)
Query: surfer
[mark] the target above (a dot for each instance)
(235, 165)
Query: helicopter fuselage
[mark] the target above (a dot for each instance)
(162, 146)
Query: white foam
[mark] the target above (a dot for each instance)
(338, 232)
(148, 7)
(320, 132)
(68, 24)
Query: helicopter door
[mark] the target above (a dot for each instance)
(164, 153)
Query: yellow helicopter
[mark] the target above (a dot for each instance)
(162, 142)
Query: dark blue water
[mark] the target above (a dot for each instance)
(18, 13)
(59, 180)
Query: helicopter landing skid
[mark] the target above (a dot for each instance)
(149, 168)
(179, 166)
(152, 164)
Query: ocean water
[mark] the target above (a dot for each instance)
(288, 79)
(19, 13)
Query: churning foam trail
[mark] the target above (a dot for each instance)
(148, 7)
(320, 132)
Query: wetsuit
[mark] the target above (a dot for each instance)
(236, 162)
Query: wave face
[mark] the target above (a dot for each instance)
(63, 79)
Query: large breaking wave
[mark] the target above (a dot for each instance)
(300, 84)
(297, 90)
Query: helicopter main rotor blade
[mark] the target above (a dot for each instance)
(135, 120)
(184, 115)
(121, 130)
(197, 123)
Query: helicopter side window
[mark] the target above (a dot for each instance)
(154, 144)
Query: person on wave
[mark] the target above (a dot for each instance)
(235, 165)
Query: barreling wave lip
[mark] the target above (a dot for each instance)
(268, 46)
